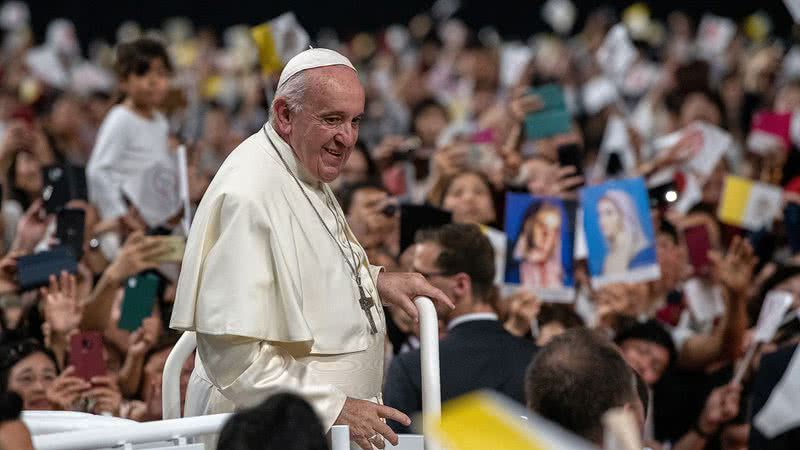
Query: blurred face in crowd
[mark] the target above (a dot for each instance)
(712, 191)
(697, 106)
(788, 98)
(66, 116)
(30, 378)
(470, 200)
(649, 359)
(323, 132)
(153, 374)
(28, 174)
(429, 123)
(672, 261)
(215, 128)
(355, 169)
(369, 223)
(610, 218)
(149, 89)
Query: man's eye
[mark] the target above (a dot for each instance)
(331, 120)
(357, 121)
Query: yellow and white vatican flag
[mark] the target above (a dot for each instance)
(278, 40)
(749, 204)
(485, 420)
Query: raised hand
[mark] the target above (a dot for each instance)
(31, 227)
(66, 389)
(106, 395)
(735, 270)
(143, 339)
(721, 406)
(138, 254)
(62, 309)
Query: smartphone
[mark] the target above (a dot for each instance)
(698, 242)
(571, 155)
(140, 295)
(62, 183)
(663, 195)
(70, 223)
(33, 271)
(86, 355)
(176, 246)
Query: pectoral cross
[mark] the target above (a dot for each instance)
(366, 304)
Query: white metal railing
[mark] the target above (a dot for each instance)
(119, 435)
(171, 381)
(429, 351)
(94, 432)
(47, 422)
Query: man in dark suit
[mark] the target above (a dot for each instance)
(477, 353)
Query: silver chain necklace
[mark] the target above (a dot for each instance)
(364, 301)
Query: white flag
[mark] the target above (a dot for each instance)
(514, 58)
(617, 53)
(714, 35)
(155, 191)
(781, 413)
(794, 8)
(772, 311)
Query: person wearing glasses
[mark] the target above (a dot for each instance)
(477, 352)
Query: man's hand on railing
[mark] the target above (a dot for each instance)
(366, 422)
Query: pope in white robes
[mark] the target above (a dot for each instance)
(274, 283)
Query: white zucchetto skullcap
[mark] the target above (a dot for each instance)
(311, 59)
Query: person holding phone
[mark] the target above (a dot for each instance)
(278, 289)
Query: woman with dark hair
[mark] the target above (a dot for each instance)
(468, 195)
(29, 369)
(282, 422)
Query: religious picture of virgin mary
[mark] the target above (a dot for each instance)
(619, 232)
(541, 236)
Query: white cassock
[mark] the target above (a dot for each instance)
(268, 292)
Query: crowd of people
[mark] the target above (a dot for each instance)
(445, 140)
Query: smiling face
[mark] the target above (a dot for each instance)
(323, 132)
(30, 378)
(470, 200)
(610, 218)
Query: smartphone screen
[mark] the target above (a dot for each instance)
(70, 224)
(698, 243)
(571, 155)
(137, 303)
(175, 246)
(34, 270)
(86, 355)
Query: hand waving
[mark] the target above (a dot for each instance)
(62, 309)
(735, 269)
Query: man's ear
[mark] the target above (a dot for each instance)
(462, 285)
(283, 116)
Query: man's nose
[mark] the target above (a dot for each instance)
(348, 134)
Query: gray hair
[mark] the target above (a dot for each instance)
(292, 91)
